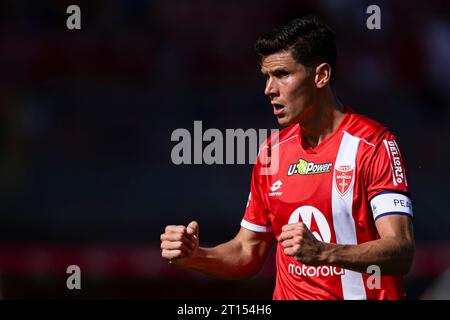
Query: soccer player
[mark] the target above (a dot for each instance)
(330, 188)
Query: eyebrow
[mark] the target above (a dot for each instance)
(278, 69)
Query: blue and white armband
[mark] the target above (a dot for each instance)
(387, 203)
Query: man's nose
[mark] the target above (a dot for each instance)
(271, 89)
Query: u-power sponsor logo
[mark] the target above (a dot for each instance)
(304, 167)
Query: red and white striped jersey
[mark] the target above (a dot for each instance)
(338, 189)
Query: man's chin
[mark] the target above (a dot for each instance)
(284, 121)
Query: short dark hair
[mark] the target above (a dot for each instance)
(311, 40)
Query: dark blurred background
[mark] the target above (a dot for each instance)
(86, 118)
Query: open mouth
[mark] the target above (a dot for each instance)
(278, 109)
(277, 106)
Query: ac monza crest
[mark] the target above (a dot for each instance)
(343, 178)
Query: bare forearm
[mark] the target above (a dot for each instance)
(229, 260)
(390, 254)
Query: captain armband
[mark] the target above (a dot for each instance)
(387, 203)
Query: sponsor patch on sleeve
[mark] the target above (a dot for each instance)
(395, 158)
(391, 203)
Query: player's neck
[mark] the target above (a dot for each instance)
(323, 119)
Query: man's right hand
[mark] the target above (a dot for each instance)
(179, 243)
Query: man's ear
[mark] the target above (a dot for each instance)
(323, 75)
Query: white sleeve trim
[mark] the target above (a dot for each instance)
(255, 227)
(391, 203)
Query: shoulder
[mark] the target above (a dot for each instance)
(380, 151)
(369, 131)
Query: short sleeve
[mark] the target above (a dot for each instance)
(386, 179)
(256, 216)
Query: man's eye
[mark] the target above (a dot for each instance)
(281, 74)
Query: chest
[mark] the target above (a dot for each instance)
(314, 188)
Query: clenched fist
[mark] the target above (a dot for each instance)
(298, 242)
(179, 243)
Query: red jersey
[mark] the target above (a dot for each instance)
(338, 189)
